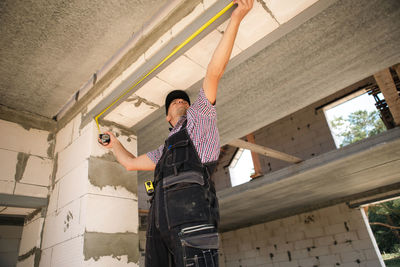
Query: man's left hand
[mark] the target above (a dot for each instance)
(242, 9)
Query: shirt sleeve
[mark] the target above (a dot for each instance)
(202, 106)
(156, 154)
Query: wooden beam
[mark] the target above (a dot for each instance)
(255, 157)
(265, 151)
(386, 84)
(397, 69)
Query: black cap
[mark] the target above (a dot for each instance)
(176, 94)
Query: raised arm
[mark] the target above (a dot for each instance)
(126, 159)
(222, 53)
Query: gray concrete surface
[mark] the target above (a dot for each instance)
(334, 177)
(49, 49)
(345, 43)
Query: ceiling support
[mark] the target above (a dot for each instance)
(22, 201)
(388, 88)
(265, 151)
(255, 157)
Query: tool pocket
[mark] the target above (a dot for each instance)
(186, 200)
(200, 250)
(178, 153)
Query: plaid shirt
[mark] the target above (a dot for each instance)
(202, 128)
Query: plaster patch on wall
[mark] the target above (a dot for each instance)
(21, 165)
(97, 245)
(50, 150)
(53, 175)
(141, 100)
(264, 5)
(103, 172)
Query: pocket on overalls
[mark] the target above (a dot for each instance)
(200, 250)
(178, 153)
(185, 199)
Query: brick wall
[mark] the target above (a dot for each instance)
(333, 236)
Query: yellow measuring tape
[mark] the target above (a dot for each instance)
(166, 58)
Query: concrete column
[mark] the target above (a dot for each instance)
(92, 216)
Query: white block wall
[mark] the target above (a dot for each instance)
(30, 240)
(34, 178)
(333, 236)
(76, 206)
(10, 236)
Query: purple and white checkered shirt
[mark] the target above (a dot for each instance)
(202, 128)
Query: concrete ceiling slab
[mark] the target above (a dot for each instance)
(343, 44)
(49, 49)
(329, 178)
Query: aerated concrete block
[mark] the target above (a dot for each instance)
(29, 262)
(38, 171)
(257, 24)
(73, 185)
(45, 257)
(64, 224)
(9, 163)
(18, 139)
(74, 154)
(7, 187)
(106, 214)
(182, 73)
(68, 253)
(64, 137)
(155, 91)
(31, 190)
(287, 9)
(31, 236)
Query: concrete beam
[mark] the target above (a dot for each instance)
(313, 58)
(265, 151)
(386, 84)
(158, 57)
(22, 201)
(365, 168)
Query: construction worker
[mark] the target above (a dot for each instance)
(183, 218)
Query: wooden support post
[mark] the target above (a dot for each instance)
(265, 151)
(397, 69)
(386, 84)
(255, 157)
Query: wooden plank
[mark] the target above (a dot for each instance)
(386, 84)
(265, 151)
(255, 157)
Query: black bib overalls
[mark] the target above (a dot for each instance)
(183, 217)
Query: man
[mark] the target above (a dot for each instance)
(183, 218)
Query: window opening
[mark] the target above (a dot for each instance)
(241, 167)
(355, 117)
(383, 219)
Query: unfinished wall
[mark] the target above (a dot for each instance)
(92, 216)
(10, 236)
(304, 134)
(334, 236)
(26, 160)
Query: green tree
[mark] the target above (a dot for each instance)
(384, 219)
(357, 126)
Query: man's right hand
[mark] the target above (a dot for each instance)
(113, 140)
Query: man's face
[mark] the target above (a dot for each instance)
(178, 108)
